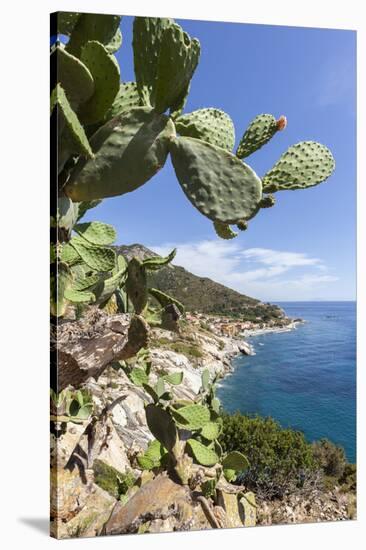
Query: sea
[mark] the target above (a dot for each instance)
(305, 378)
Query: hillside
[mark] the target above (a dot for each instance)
(202, 294)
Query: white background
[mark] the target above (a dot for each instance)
(24, 220)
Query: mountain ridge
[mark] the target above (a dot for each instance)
(202, 294)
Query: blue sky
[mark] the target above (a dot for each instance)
(303, 248)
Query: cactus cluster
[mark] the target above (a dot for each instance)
(185, 432)
(120, 134)
(71, 406)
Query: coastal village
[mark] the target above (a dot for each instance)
(236, 328)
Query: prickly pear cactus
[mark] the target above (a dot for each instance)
(202, 454)
(304, 164)
(161, 426)
(127, 98)
(211, 125)
(178, 59)
(129, 150)
(216, 182)
(258, 133)
(74, 77)
(136, 285)
(88, 27)
(105, 72)
(224, 231)
(192, 417)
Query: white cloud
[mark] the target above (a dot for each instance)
(259, 272)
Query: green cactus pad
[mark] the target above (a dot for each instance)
(156, 262)
(136, 285)
(58, 289)
(79, 296)
(69, 255)
(208, 488)
(115, 43)
(260, 131)
(192, 417)
(147, 37)
(126, 99)
(210, 431)
(138, 376)
(84, 206)
(129, 150)
(107, 287)
(74, 77)
(165, 299)
(96, 232)
(105, 72)
(92, 26)
(98, 258)
(178, 59)
(152, 456)
(211, 125)
(216, 182)
(66, 21)
(235, 461)
(303, 165)
(177, 107)
(230, 475)
(202, 454)
(175, 378)
(205, 379)
(224, 231)
(161, 425)
(84, 283)
(75, 132)
(66, 214)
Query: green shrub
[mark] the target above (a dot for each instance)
(280, 459)
(330, 457)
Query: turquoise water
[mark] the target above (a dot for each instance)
(305, 378)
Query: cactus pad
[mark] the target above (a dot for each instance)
(66, 21)
(156, 262)
(84, 283)
(105, 72)
(58, 289)
(152, 456)
(147, 37)
(98, 258)
(75, 132)
(79, 296)
(235, 461)
(115, 43)
(216, 182)
(69, 254)
(107, 287)
(162, 426)
(192, 417)
(136, 285)
(74, 77)
(92, 26)
(202, 454)
(165, 299)
(126, 99)
(129, 150)
(66, 214)
(178, 59)
(259, 132)
(175, 378)
(303, 165)
(210, 431)
(224, 231)
(96, 232)
(211, 125)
